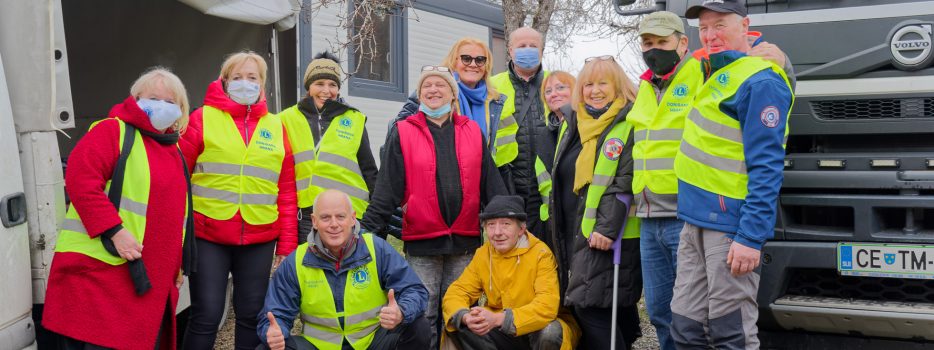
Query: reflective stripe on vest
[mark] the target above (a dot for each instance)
(363, 299)
(712, 156)
(603, 174)
(544, 187)
(330, 164)
(73, 237)
(506, 149)
(230, 176)
(658, 126)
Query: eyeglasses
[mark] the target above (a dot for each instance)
(557, 88)
(467, 60)
(600, 58)
(436, 68)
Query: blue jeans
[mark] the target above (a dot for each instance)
(659, 248)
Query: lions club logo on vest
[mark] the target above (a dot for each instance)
(361, 277)
(344, 131)
(681, 90)
(613, 148)
(770, 116)
(723, 78)
(265, 133)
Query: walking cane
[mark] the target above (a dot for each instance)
(626, 199)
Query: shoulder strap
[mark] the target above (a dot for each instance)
(137, 270)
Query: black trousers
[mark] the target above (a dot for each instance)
(595, 325)
(404, 337)
(250, 266)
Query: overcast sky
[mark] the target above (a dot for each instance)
(584, 47)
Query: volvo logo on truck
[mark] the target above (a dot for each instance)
(910, 43)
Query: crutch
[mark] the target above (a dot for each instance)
(627, 200)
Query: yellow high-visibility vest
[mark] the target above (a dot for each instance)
(230, 176)
(712, 155)
(603, 174)
(363, 299)
(332, 162)
(506, 148)
(658, 127)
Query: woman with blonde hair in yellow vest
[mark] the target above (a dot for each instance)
(593, 168)
(330, 142)
(107, 298)
(243, 185)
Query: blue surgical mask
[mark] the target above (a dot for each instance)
(526, 57)
(435, 113)
(243, 91)
(161, 114)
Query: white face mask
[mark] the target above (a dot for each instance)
(243, 91)
(161, 114)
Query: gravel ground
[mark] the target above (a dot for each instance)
(648, 341)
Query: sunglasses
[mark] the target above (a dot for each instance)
(435, 68)
(467, 60)
(600, 58)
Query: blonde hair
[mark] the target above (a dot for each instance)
(235, 60)
(156, 75)
(451, 59)
(604, 69)
(560, 75)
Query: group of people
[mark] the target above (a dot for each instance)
(514, 192)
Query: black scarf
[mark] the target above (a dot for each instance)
(189, 248)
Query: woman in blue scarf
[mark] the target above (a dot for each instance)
(472, 62)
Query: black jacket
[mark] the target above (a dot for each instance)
(391, 183)
(319, 121)
(591, 271)
(535, 140)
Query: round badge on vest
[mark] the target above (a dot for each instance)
(361, 277)
(681, 90)
(613, 148)
(723, 78)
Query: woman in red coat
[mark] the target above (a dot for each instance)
(92, 300)
(243, 184)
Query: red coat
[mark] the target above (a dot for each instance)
(236, 231)
(93, 301)
(422, 218)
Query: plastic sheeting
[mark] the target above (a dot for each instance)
(282, 13)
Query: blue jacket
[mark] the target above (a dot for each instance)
(283, 297)
(751, 221)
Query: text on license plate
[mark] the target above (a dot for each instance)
(885, 260)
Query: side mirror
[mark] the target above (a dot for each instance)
(634, 12)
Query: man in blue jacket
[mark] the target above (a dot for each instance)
(352, 290)
(729, 169)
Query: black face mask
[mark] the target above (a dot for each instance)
(660, 61)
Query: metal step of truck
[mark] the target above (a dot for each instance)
(853, 316)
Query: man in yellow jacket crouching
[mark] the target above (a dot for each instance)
(518, 275)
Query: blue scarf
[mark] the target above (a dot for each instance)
(473, 102)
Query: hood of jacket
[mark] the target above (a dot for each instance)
(216, 97)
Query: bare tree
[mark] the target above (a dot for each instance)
(534, 13)
(361, 26)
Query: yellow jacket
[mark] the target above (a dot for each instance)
(524, 280)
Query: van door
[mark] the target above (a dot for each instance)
(16, 326)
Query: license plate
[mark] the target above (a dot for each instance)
(886, 260)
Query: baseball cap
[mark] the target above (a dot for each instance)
(722, 6)
(661, 23)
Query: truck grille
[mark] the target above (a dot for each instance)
(827, 283)
(874, 109)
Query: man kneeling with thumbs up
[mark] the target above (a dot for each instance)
(351, 289)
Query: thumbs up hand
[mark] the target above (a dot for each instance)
(274, 338)
(390, 315)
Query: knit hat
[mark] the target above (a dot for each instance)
(504, 207)
(324, 66)
(437, 71)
